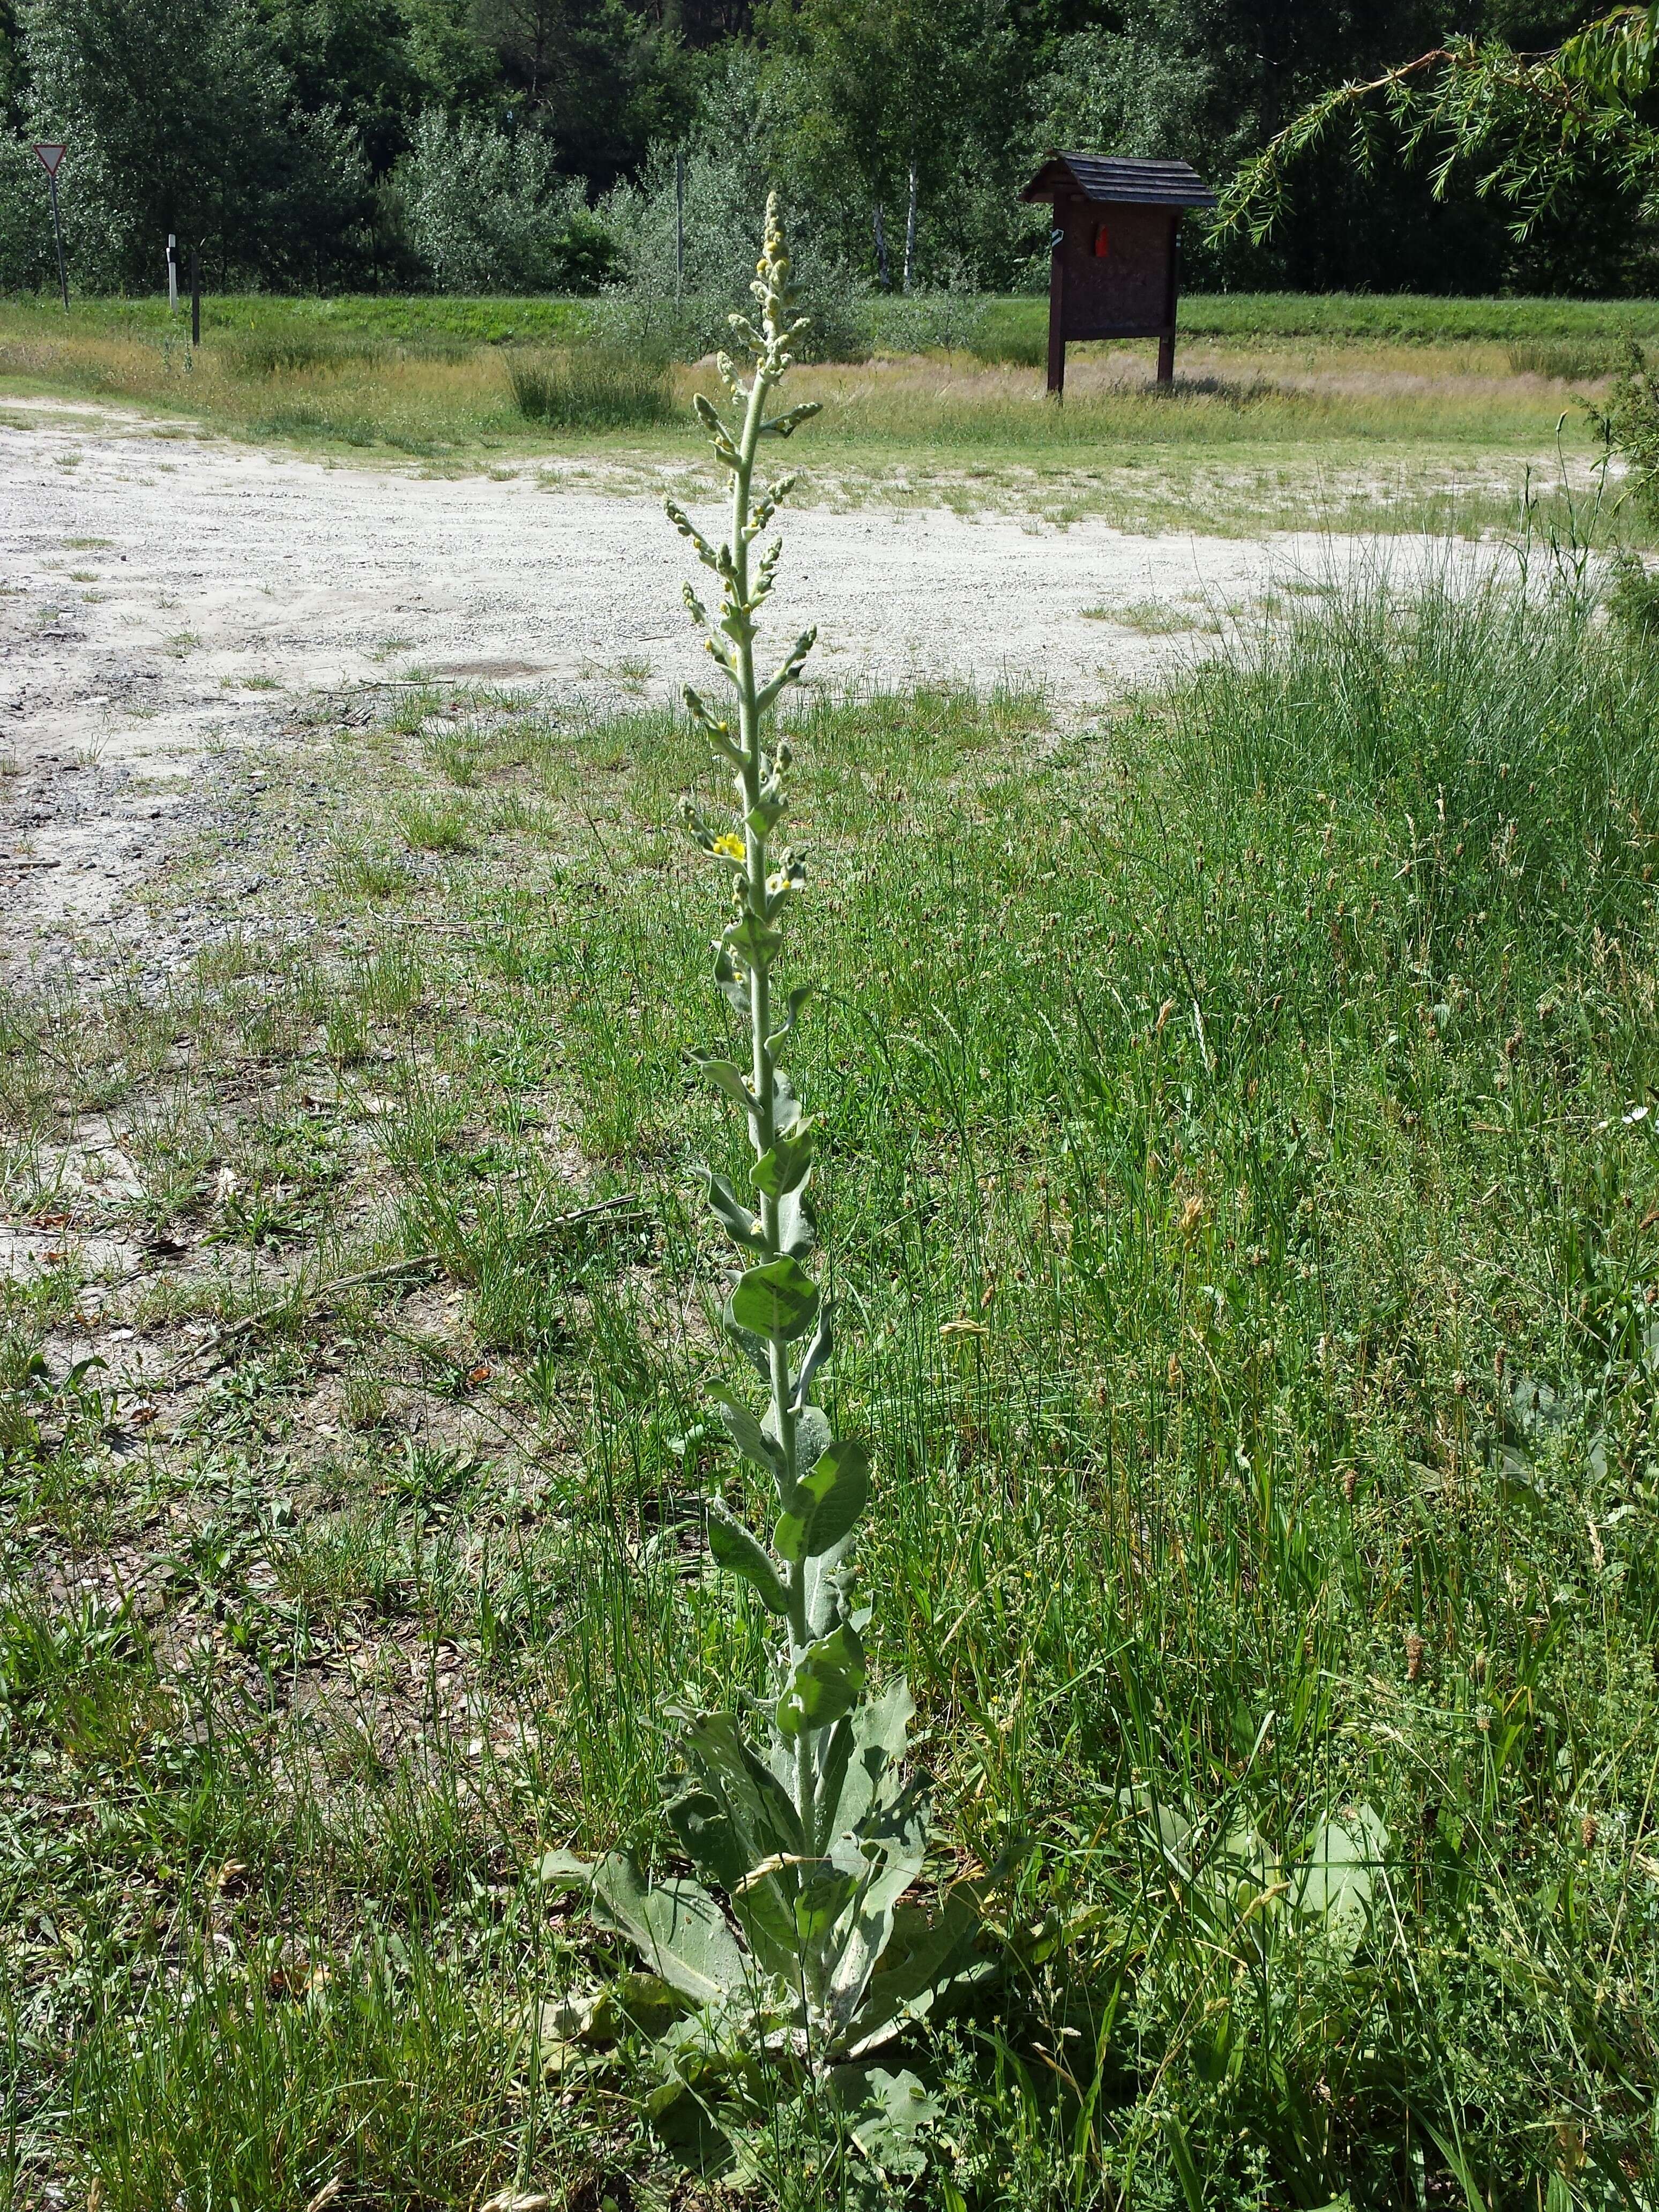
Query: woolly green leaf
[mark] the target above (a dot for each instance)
(1337, 1879)
(734, 987)
(701, 1816)
(778, 1300)
(726, 1075)
(677, 1928)
(739, 1223)
(796, 1234)
(563, 1870)
(823, 1683)
(820, 1349)
(920, 1960)
(797, 999)
(785, 1107)
(825, 1504)
(755, 1349)
(765, 1819)
(825, 1894)
(746, 1433)
(753, 942)
(739, 1552)
(813, 1434)
(861, 1764)
(784, 425)
(886, 2113)
(787, 1165)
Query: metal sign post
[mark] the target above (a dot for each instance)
(173, 274)
(51, 157)
(195, 297)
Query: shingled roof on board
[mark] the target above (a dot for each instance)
(1108, 178)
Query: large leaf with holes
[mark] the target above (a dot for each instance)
(822, 1683)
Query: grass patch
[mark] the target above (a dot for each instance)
(1240, 1172)
(590, 392)
(1372, 414)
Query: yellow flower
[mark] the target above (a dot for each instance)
(730, 846)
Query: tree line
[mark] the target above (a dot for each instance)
(531, 145)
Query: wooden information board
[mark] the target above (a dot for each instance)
(1114, 265)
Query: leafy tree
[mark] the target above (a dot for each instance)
(881, 93)
(380, 64)
(11, 67)
(487, 213)
(178, 117)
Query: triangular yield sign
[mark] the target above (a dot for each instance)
(51, 156)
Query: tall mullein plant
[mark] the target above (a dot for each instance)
(813, 1834)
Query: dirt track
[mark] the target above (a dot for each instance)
(215, 585)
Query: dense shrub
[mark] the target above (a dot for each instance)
(26, 250)
(1629, 425)
(484, 211)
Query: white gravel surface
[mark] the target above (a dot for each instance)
(223, 571)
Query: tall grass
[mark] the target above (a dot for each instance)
(590, 390)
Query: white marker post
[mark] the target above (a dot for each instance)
(51, 157)
(173, 274)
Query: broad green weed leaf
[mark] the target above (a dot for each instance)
(886, 2114)
(820, 1348)
(677, 1928)
(734, 1217)
(795, 1229)
(825, 1504)
(740, 1553)
(1337, 1881)
(726, 1075)
(746, 1432)
(813, 1434)
(823, 1683)
(788, 1163)
(779, 1300)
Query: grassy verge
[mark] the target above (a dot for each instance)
(1389, 414)
(1243, 1181)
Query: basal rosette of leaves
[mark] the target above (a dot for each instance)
(812, 1835)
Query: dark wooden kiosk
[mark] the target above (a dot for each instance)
(1115, 263)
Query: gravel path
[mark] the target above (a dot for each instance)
(165, 598)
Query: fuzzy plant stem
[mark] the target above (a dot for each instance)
(765, 879)
(762, 1120)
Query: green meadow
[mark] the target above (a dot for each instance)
(1240, 1195)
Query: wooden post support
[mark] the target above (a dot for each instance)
(1057, 302)
(1171, 293)
(58, 235)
